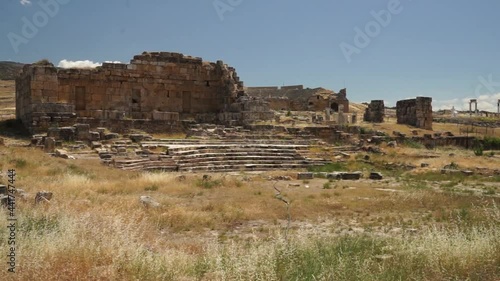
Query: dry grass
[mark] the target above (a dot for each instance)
(7, 99)
(96, 229)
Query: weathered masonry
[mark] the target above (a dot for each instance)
(296, 98)
(375, 112)
(154, 93)
(415, 112)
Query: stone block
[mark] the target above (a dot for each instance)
(305, 176)
(50, 145)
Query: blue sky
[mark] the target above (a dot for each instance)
(448, 49)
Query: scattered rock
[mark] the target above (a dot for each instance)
(110, 136)
(61, 153)
(305, 176)
(279, 178)
(392, 144)
(352, 176)
(450, 171)
(376, 176)
(468, 173)
(334, 176)
(43, 197)
(147, 201)
(96, 144)
(424, 165)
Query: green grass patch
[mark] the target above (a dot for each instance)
(209, 184)
(328, 168)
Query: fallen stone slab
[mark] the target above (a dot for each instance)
(111, 136)
(376, 176)
(305, 176)
(61, 153)
(334, 176)
(352, 176)
(450, 171)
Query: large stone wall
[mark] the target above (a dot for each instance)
(296, 98)
(415, 112)
(154, 86)
(375, 112)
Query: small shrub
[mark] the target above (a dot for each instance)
(39, 225)
(327, 185)
(489, 191)
(412, 144)
(153, 187)
(478, 149)
(491, 143)
(43, 62)
(19, 163)
(328, 168)
(209, 184)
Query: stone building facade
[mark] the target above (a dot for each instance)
(157, 89)
(375, 112)
(415, 112)
(296, 98)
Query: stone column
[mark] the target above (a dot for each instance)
(498, 105)
(341, 119)
(327, 114)
(473, 101)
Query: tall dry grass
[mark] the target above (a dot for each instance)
(96, 229)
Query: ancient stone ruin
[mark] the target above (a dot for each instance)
(415, 112)
(154, 93)
(296, 98)
(375, 112)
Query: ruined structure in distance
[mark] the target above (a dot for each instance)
(296, 98)
(375, 112)
(415, 112)
(154, 93)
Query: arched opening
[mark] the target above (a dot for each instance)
(335, 107)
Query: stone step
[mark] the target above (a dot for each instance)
(234, 154)
(245, 167)
(235, 150)
(243, 161)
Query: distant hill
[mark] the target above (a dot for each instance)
(9, 70)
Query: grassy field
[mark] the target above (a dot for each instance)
(414, 225)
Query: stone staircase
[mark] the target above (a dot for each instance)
(222, 155)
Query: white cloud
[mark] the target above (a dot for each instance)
(81, 64)
(25, 2)
(484, 103)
